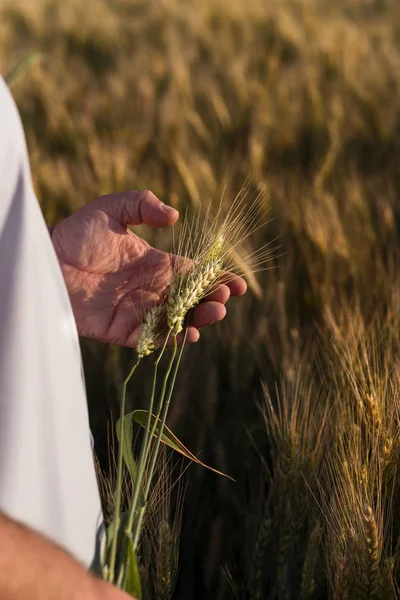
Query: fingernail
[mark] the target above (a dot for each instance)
(168, 209)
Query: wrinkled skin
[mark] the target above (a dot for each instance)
(113, 276)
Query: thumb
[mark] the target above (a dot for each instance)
(137, 207)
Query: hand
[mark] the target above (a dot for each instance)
(113, 276)
(32, 567)
(107, 591)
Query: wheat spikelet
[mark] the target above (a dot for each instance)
(375, 412)
(282, 575)
(144, 569)
(387, 588)
(149, 330)
(188, 288)
(255, 584)
(301, 507)
(163, 583)
(370, 576)
(354, 535)
(341, 583)
(310, 561)
(387, 449)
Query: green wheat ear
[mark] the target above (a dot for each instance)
(23, 65)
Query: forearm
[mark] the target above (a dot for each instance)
(32, 568)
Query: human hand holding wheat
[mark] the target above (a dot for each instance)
(118, 270)
(112, 275)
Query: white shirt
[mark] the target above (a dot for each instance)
(47, 477)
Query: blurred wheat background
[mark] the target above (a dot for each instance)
(297, 393)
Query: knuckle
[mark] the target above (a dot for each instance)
(146, 195)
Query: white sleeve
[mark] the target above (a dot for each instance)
(47, 478)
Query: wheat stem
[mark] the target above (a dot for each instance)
(164, 406)
(137, 526)
(113, 553)
(144, 452)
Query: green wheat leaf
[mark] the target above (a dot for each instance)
(132, 578)
(170, 439)
(127, 451)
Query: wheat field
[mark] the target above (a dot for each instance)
(297, 393)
